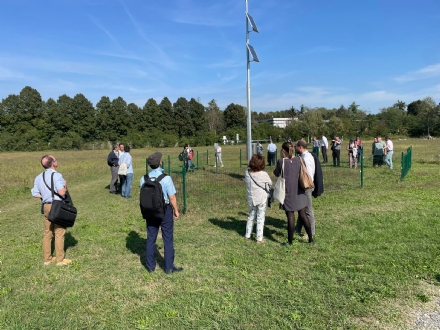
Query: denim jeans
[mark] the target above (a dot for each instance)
(388, 159)
(126, 186)
(258, 213)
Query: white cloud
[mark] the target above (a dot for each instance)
(424, 73)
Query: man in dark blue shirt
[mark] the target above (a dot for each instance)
(113, 162)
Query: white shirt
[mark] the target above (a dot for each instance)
(324, 142)
(310, 162)
(390, 146)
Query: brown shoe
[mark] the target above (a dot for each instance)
(64, 262)
(49, 262)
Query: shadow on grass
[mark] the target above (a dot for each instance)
(69, 241)
(236, 176)
(239, 226)
(136, 245)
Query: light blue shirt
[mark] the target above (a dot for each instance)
(127, 159)
(41, 189)
(168, 188)
(271, 147)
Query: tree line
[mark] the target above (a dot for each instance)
(28, 123)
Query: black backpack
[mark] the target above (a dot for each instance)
(151, 198)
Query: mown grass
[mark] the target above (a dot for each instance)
(375, 247)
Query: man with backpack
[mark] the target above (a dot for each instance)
(159, 212)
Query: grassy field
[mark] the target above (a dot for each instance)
(376, 251)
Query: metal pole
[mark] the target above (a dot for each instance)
(169, 164)
(248, 90)
(184, 187)
(240, 157)
(197, 153)
(362, 170)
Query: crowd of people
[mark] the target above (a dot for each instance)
(121, 167)
(258, 185)
(297, 199)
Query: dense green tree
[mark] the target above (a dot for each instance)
(198, 116)
(336, 127)
(313, 122)
(234, 116)
(400, 105)
(414, 107)
(62, 116)
(83, 118)
(104, 118)
(9, 114)
(214, 117)
(183, 123)
(428, 114)
(119, 126)
(394, 119)
(167, 112)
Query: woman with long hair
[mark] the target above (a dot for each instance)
(295, 199)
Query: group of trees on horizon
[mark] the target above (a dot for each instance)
(28, 123)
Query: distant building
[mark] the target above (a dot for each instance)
(278, 122)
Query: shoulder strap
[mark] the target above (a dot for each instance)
(51, 187)
(256, 182)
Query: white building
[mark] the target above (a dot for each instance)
(278, 122)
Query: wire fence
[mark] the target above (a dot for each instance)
(211, 187)
(406, 163)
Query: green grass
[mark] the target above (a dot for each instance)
(376, 248)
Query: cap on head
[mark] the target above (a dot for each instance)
(154, 160)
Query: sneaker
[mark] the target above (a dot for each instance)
(49, 262)
(64, 262)
(222, 166)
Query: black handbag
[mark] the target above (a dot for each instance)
(62, 212)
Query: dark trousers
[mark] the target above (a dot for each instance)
(271, 158)
(167, 226)
(336, 157)
(113, 183)
(122, 179)
(324, 154)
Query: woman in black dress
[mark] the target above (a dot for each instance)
(296, 199)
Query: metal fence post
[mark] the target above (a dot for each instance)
(240, 157)
(184, 187)
(362, 170)
(169, 164)
(197, 159)
(206, 156)
(146, 165)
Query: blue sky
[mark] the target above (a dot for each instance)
(312, 52)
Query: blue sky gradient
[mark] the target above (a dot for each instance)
(312, 52)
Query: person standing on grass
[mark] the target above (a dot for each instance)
(258, 184)
(316, 143)
(352, 154)
(359, 147)
(309, 161)
(378, 151)
(121, 177)
(271, 153)
(166, 223)
(296, 199)
(113, 162)
(389, 150)
(336, 151)
(259, 148)
(51, 230)
(128, 177)
(218, 154)
(324, 148)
